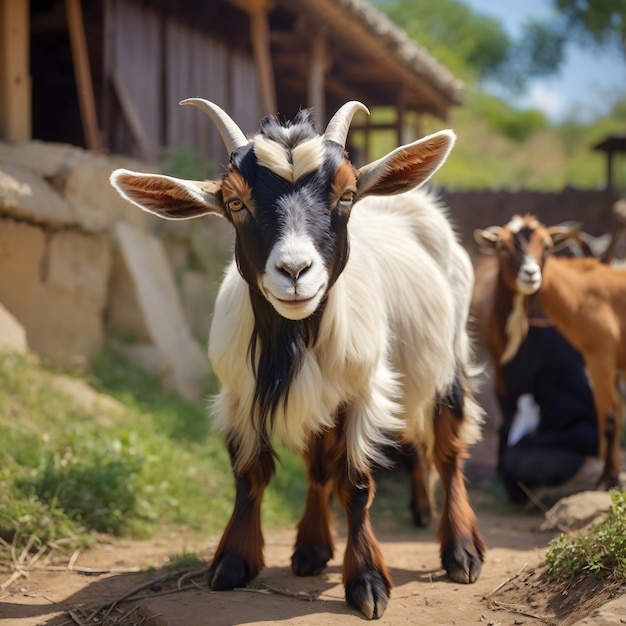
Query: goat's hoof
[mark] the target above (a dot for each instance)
(228, 571)
(368, 593)
(310, 560)
(463, 560)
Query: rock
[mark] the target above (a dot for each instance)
(27, 196)
(125, 318)
(150, 291)
(55, 283)
(577, 511)
(94, 203)
(212, 240)
(150, 359)
(198, 296)
(177, 252)
(12, 333)
(46, 159)
(97, 405)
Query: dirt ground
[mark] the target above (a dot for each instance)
(510, 590)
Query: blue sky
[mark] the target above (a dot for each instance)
(589, 81)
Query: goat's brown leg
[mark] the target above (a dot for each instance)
(239, 555)
(462, 549)
(420, 499)
(365, 575)
(314, 544)
(602, 375)
(612, 435)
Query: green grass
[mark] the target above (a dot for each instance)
(600, 551)
(150, 461)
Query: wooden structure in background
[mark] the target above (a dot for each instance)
(15, 110)
(82, 72)
(130, 62)
(612, 145)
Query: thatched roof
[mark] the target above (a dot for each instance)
(371, 53)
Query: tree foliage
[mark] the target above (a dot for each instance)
(591, 23)
(472, 45)
(477, 47)
(601, 22)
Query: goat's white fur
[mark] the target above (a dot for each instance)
(294, 300)
(305, 158)
(392, 332)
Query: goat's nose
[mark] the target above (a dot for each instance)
(294, 270)
(530, 272)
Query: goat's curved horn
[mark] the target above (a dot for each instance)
(232, 135)
(337, 129)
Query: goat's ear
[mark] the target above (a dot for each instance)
(406, 167)
(563, 232)
(489, 238)
(168, 197)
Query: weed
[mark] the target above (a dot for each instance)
(599, 551)
(185, 560)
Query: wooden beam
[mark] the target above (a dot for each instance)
(400, 111)
(260, 34)
(316, 84)
(250, 6)
(132, 117)
(15, 83)
(609, 170)
(82, 74)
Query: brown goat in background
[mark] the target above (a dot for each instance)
(585, 299)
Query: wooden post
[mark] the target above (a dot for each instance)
(317, 73)
(82, 74)
(609, 170)
(260, 34)
(15, 85)
(400, 110)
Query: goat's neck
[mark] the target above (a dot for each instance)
(277, 351)
(558, 289)
(510, 318)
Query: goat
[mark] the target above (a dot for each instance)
(331, 338)
(585, 299)
(548, 420)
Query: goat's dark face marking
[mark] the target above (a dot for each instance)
(289, 195)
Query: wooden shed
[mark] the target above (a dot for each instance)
(108, 74)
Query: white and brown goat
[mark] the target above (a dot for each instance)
(331, 338)
(586, 300)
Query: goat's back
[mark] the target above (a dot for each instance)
(404, 249)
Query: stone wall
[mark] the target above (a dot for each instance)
(78, 263)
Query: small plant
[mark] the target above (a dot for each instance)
(600, 551)
(185, 560)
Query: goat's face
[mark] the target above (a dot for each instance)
(522, 247)
(288, 192)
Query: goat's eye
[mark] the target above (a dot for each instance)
(347, 196)
(235, 205)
